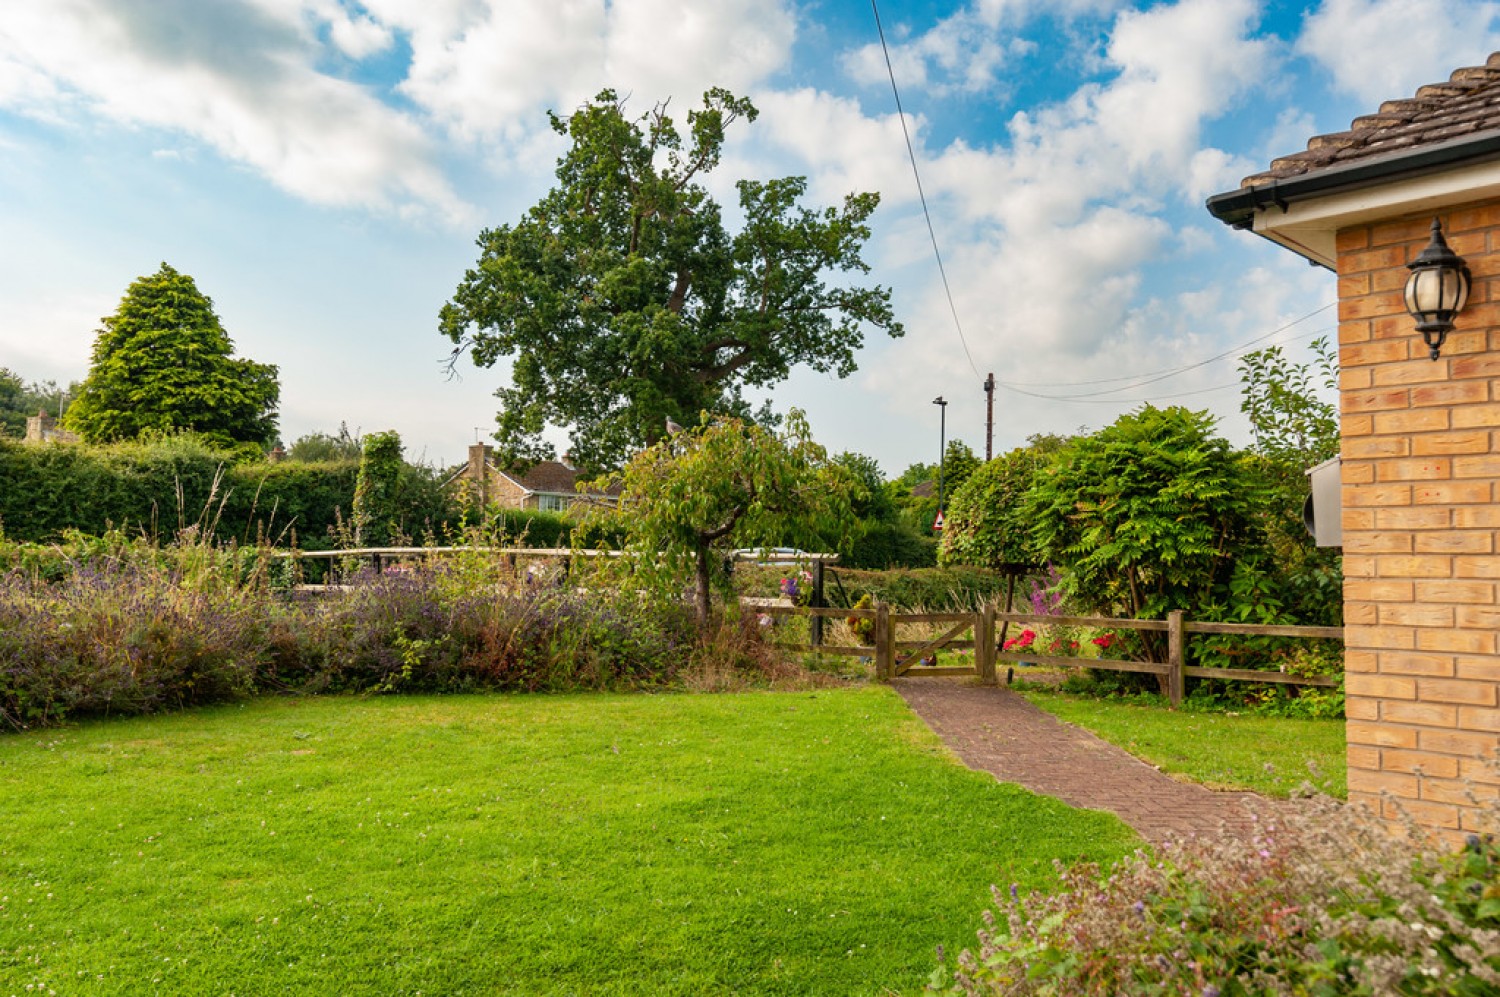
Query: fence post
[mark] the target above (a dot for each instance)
(1176, 685)
(816, 628)
(984, 645)
(884, 665)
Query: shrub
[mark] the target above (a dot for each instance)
(123, 635)
(1321, 898)
(1145, 516)
(984, 524)
(127, 627)
(882, 545)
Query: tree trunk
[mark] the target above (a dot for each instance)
(701, 595)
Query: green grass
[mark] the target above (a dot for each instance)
(1268, 755)
(791, 843)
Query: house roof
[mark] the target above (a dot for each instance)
(1465, 106)
(1442, 126)
(555, 478)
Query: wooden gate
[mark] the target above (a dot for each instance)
(895, 657)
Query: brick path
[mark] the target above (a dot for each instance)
(995, 730)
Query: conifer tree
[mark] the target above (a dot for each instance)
(163, 362)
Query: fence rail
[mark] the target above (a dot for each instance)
(890, 662)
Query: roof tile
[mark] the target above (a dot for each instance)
(1468, 103)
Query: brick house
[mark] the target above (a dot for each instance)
(550, 486)
(1420, 437)
(42, 428)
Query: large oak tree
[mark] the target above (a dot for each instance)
(163, 362)
(622, 299)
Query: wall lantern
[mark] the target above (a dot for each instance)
(1437, 289)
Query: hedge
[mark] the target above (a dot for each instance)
(159, 486)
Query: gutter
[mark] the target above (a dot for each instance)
(1238, 208)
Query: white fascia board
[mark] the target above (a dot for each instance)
(1310, 227)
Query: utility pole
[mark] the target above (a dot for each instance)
(989, 417)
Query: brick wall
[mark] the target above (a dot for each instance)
(1421, 477)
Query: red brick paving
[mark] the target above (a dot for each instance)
(995, 730)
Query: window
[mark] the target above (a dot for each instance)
(551, 503)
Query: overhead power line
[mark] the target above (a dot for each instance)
(921, 195)
(1151, 377)
(1198, 363)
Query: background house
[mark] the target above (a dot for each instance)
(1420, 437)
(42, 428)
(550, 486)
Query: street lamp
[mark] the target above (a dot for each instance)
(942, 405)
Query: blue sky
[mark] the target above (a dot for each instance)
(322, 168)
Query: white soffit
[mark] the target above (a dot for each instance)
(1309, 227)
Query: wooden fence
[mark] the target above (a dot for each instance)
(894, 657)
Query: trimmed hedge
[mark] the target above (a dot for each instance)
(159, 486)
(890, 545)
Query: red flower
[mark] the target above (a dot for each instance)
(1022, 642)
(1105, 640)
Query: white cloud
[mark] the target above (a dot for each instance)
(1381, 50)
(965, 52)
(1047, 235)
(491, 71)
(236, 78)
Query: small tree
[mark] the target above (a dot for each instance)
(1294, 430)
(726, 484)
(958, 463)
(1145, 516)
(162, 363)
(319, 447)
(1290, 422)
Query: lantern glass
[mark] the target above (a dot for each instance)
(1434, 294)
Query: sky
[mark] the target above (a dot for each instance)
(322, 169)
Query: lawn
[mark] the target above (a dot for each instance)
(777, 843)
(1274, 756)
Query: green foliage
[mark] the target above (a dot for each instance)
(986, 523)
(730, 484)
(625, 301)
(377, 491)
(160, 486)
(873, 502)
(881, 545)
(1145, 516)
(320, 447)
(20, 401)
(1322, 899)
(950, 589)
(162, 363)
(1290, 422)
(958, 463)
